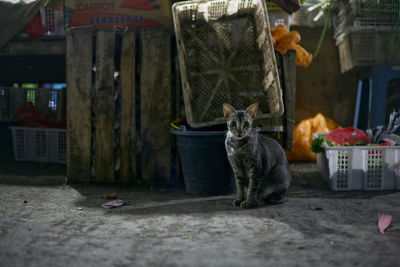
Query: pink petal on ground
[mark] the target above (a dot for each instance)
(384, 222)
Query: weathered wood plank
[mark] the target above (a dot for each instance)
(155, 91)
(289, 84)
(128, 122)
(103, 107)
(79, 79)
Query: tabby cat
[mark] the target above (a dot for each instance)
(258, 162)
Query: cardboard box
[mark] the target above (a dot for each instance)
(118, 13)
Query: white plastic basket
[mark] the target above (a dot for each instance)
(360, 167)
(52, 21)
(365, 48)
(365, 15)
(39, 144)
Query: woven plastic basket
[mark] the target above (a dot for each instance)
(226, 54)
(365, 48)
(364, 15)
(39, 144)
(360, 167)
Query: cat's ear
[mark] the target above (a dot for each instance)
(228, 110)
(252, 109)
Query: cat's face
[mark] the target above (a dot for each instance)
(240, 122)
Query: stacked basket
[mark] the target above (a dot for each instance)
(367, 32)
(226, 55)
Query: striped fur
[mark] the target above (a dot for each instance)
(258, 162)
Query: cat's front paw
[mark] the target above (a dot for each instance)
(237, 202)
(246, 204)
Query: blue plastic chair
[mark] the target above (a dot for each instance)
(372, 94)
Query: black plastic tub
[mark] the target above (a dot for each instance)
(205, 166)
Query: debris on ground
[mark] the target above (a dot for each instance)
(110, 196)
(65, 184)
(384, 222)
(113, 204)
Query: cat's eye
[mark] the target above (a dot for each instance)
(246, 124)
(233, 124)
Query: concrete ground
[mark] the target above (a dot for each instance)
(43, 223)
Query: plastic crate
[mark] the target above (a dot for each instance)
(360, 167)
(277, 15)
(361, 15)
(47, 101)
(5, 103)
(226, 54)
(52, 21)
(39, 144)
(368, 48)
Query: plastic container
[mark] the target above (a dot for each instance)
(52, 21)
(277, 15)
(11, 98)
(5, 103)
(360, 167)
(205, 165)
(362, 15)
(226, 55)
(39, 144)
(365, 48)
(367, 32)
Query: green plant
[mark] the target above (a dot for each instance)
(326, 4)
(316, 145)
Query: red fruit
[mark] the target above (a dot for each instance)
(349, 135)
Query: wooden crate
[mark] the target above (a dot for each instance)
(141, 150)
